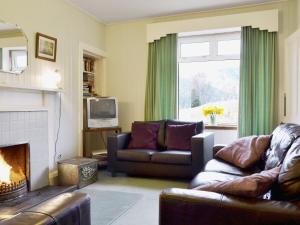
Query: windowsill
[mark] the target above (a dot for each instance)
(221, 127)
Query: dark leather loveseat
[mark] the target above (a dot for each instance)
(161, 162)
(65, 209)
(189, 207)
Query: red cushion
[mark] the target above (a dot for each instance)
(144, 135)
(255, 185)
(245, 152)
(179, 136)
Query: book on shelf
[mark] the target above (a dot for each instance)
(88, 78)
(87, 83)
(88, 65)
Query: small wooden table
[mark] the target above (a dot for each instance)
(97, 130)
(77, 171)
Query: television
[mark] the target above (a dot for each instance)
(102, 112)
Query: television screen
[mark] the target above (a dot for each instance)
(102, 108)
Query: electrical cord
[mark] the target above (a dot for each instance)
(58, 129)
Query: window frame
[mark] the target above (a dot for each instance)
(213, 40)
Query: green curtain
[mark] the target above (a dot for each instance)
(257, 111)
(161, 86)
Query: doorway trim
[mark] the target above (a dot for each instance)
(99, 54)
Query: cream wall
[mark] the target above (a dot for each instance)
(127, 62)
(298, 13)
(127, 69)
(70, 26)
(12, 42)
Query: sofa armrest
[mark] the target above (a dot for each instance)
(64, 209)
(28, 218)
(184, 206)
(217, 148)
(114, 143)
(202, 145)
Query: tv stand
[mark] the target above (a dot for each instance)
(97, 130)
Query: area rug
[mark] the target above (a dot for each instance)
(107, 206)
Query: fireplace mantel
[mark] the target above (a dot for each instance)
(22, 108)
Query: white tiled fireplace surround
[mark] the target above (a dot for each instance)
(29, 127)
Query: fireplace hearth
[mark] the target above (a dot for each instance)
(14, 171)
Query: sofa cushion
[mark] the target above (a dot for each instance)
(283, 137)
(199, 127)
(204, 178)
(255, 185)
(199, 124)
(144, 136)
(140, 155)
(289, 177)
(217, 165)
(172, 157)
(161, 132)
(246, 151)
(179, 136)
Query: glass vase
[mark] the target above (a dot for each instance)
(213, 118)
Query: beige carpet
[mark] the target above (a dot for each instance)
(145, 210)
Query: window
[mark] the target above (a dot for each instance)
(18, 60)
(208, 75)
(194, 49)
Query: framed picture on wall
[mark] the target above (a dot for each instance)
(45, 47)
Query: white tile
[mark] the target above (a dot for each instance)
(18, 127)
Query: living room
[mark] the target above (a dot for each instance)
(71, 51)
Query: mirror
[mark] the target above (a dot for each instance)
(13, 49)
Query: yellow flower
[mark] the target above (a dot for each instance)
(213, 110)
(220, 111)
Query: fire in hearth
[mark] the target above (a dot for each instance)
(13, 181)
(5, 170)
(10, 176)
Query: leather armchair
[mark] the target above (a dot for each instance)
(280, 206)
(188, 207)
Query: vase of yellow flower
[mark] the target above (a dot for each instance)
(212, 118)
(212, 112)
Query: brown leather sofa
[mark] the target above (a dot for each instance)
(162, 162)
(65, 209)
(281, 205)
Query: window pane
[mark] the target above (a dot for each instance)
(194, 49)
(18, 60)
(212, 83)
(231, 47)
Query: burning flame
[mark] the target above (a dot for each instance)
(5, 170)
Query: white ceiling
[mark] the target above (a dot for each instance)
(109, 11)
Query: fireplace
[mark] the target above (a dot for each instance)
(14, 171)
